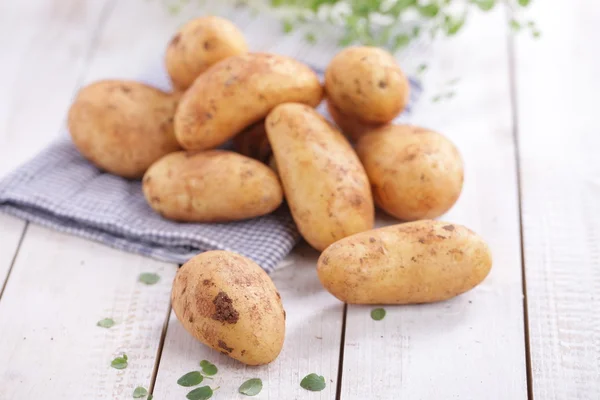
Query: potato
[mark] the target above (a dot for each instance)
(253, 142)
(199, 44)
(122, 127)
(367, 83)
(416, 262)
(229, 303)
(211, 186)
(324, 183)
(350, 126)
(238, 92)
(415, 173)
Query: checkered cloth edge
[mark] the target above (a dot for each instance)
(61, 190)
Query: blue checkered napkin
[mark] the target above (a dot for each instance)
(61, 190)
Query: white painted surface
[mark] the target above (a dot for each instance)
(471, 347)
(312, 343)
(60, 287)
(557, 90)
(11, 230)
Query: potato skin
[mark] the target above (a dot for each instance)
(324, 182)
(198, 45)
(349, 125)
(415, 173)
(416, 262)
(253, 142)
(122, 127)
(367, 83)
(211, 186)
(238, 92)
(229, 303)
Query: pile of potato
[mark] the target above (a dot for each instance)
(285, 149)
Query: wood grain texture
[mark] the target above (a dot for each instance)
(11, 231)
(470, 347)
(45, 47)
(556, 89)
(59, 288)
(312, 343)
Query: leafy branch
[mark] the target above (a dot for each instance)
(392, 24)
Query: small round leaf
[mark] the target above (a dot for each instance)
(378, 314)
(105, 323)
(190, 379)
(149, 278)
(313, 382)
(139, 392)
(201, 393)
(251, 387)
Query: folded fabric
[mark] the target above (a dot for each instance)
(60, 189)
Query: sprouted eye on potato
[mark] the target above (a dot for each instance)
(265, 103)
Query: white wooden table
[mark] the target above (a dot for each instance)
(525, 119)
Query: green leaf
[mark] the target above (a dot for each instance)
(435, 99)
(430, 10)
(139, 392)
(276, 3)
(310, 38)
(416, 31)
(524, 3)
(536, 33)
(201, 393)
(485, 5)
(287, 27)
(453, 25)
(208, 368)
(149, 278)
(401, 41)
(378, 314)
(105, 323)
(515, 25)
(313, 382)
(150, 397)
(119, 362)
(190, 379)
(421, 68)
(251, 387)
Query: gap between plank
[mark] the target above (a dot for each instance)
(106, 11)
(338, 394)
(159, 351)
(515, 129)
(12, 263)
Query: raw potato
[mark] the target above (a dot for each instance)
(229, 303)
(417, 262)
(122, 127)
(350, 126)
(201, 43)
(415, 173)
(238, 92)
(367, 83)
(211, 186)
(253, 142)
(325, 185)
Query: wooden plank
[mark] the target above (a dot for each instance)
(59, 288)
(312, 343)
(11, 230)
(556, 84)
(471, 347)
(35, 96)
